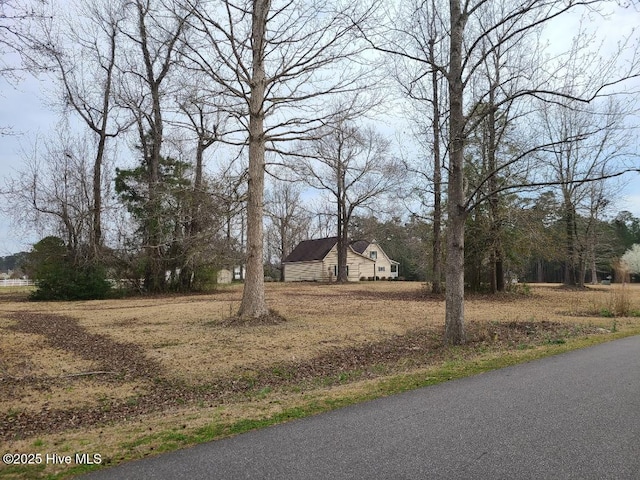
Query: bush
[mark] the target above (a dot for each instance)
(205, 279)
(57, 278)
(518, 288)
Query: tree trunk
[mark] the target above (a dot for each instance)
(155, 268)
(500, 283)
(497, 274)
(155, 271)
(454, 322)
(343, 245)
(343, 221)
(253, 303)
(572, 268)
(95, 241)
(284, 241)
(436, 286)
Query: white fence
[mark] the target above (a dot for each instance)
(13, 282)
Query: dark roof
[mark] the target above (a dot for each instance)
(359, 246)
(309, 250)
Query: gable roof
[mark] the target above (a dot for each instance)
(313, 250)
(359, 246)
(309, 250)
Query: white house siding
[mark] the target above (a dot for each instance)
(324, 270)
(382, 261)
(359, 266)
(365, 266)
(303, 271)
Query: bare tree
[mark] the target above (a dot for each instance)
(269, 57)
(424, 86)
(469, 24)
(598, 201)
(52, 193)
(17, 44)
(203, 123)
(82, 49)
(588, 141)
(354, 166)
(16, 36)
(466, 53)
(289, 222)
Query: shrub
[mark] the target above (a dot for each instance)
(58, 278)
(205, 279)
(518, 288)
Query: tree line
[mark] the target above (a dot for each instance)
(190, 131)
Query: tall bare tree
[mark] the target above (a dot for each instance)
(200, 128)
(423, 84)
(469, 24)
(466, 53)
(270, 58)
(82, 48)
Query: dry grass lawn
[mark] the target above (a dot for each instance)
(91, 376)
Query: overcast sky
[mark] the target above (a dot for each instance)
(22, 107)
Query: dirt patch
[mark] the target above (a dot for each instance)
(126, 360)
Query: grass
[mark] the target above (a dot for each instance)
(618, 301)
(185, 336)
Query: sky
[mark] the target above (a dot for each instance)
(23, 108)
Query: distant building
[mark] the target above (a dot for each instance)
(224, 276)
(317, 260)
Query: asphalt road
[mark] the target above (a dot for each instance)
(569, 416)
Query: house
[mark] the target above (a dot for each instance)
(317, 260)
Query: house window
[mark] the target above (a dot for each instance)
(335, 270)
(381, 269)
(373, 255)
(394, 268)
